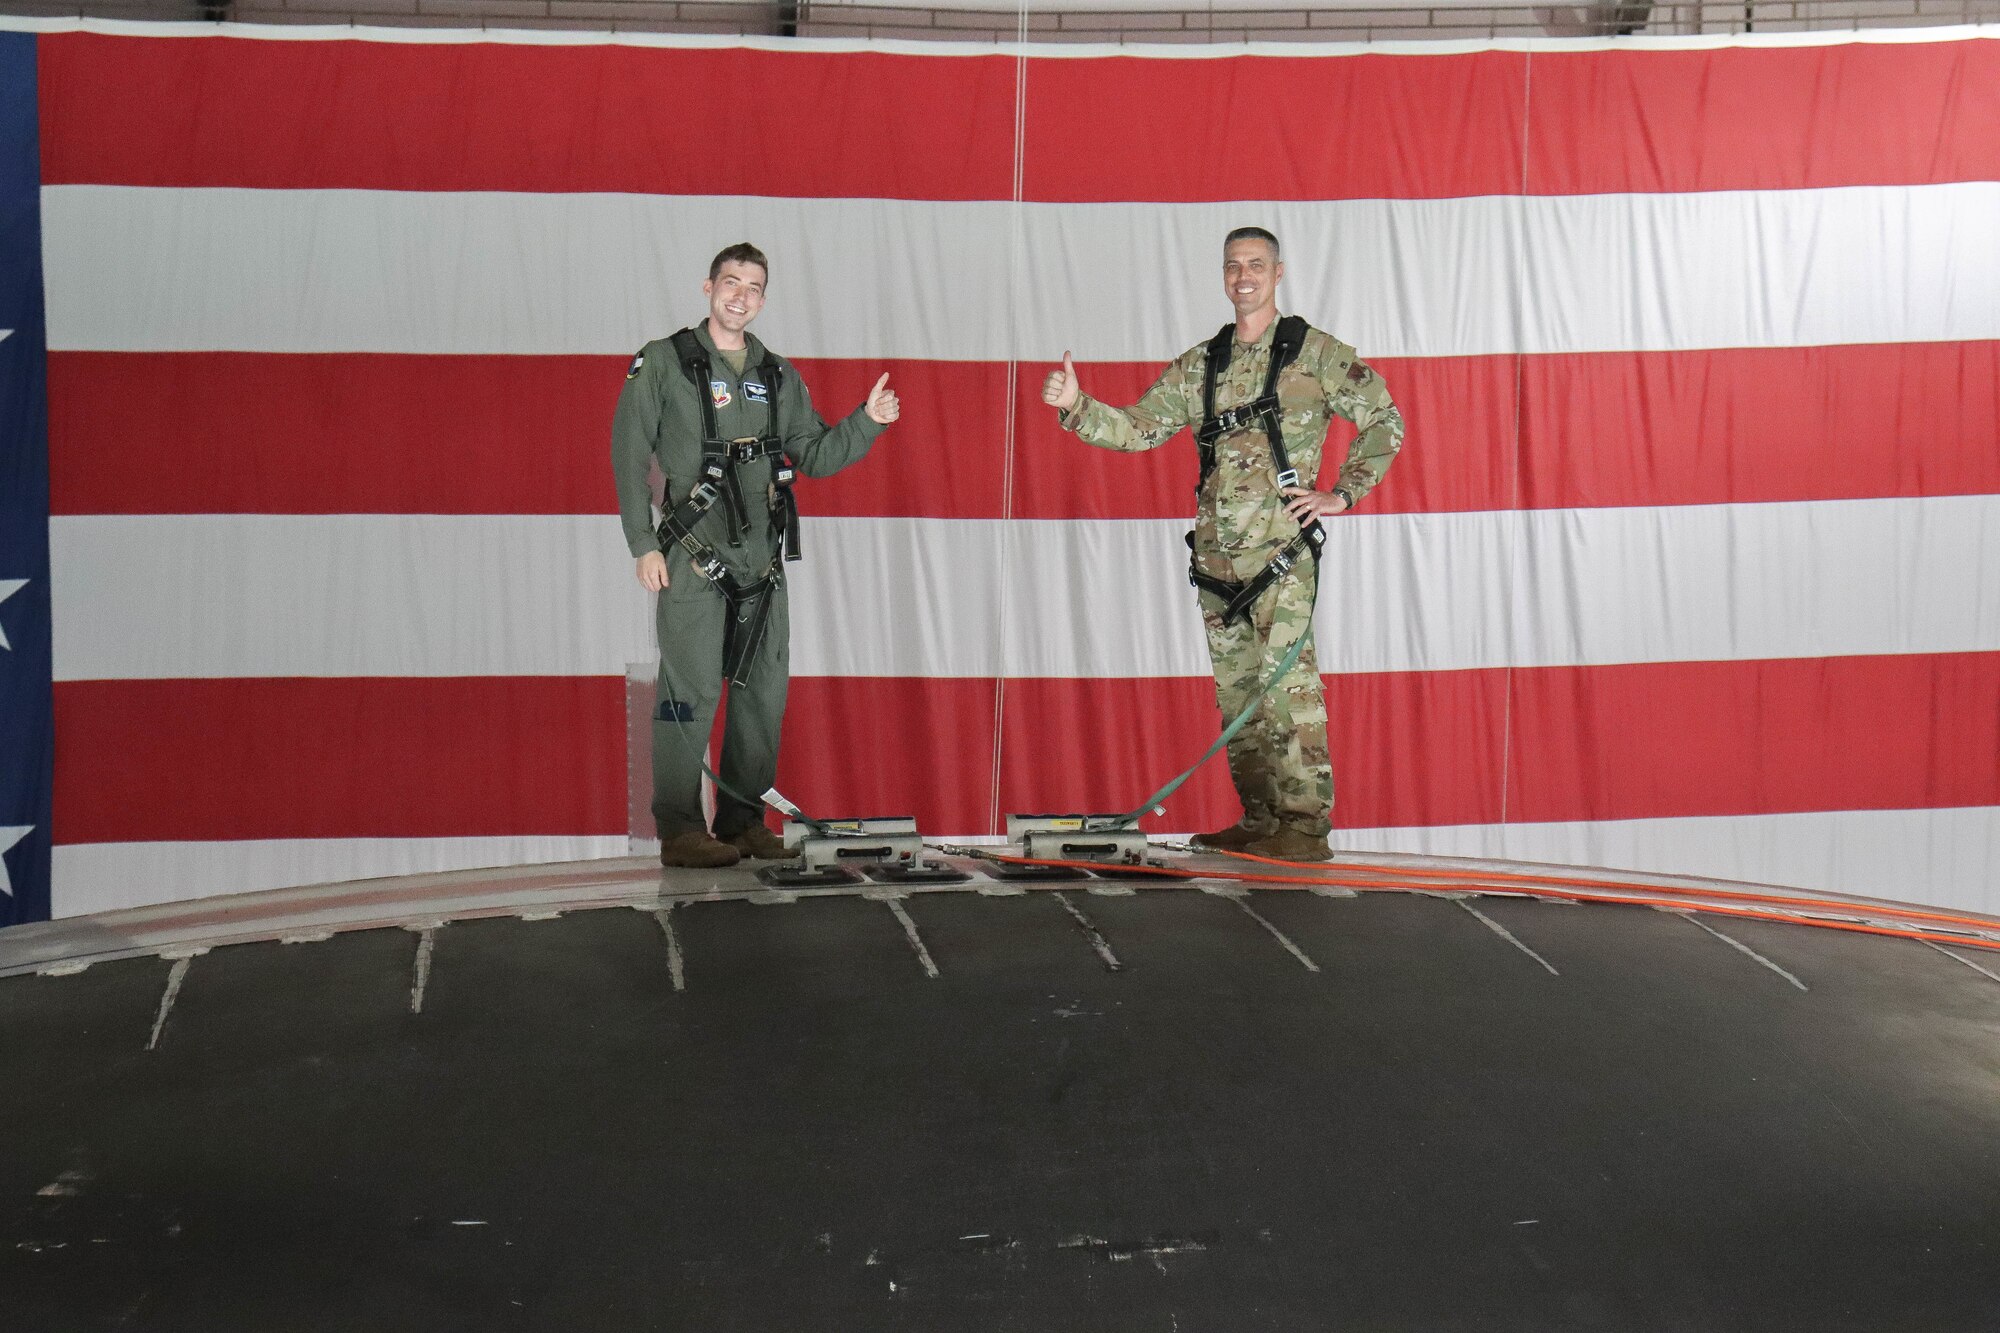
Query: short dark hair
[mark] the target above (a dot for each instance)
(740, 253)
(1251, 234)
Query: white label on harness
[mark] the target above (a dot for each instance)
(776, 800)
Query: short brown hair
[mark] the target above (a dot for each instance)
(740, 253)
(1242, 234)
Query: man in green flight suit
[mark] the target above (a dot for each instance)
(1260, 431)
(727, 423)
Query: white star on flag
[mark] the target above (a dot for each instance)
(8, 837)
(8, 587)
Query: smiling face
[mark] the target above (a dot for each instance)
(735, 295)
(1250, 273)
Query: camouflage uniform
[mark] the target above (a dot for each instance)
(658, 423)
(1279, 760)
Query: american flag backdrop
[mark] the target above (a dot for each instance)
(1691, 561)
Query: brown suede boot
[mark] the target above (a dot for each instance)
(759, 842)
(1289, 844)
(1235, 838)
(696, 849)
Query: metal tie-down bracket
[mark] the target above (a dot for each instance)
(1110, 843)
(841, 851)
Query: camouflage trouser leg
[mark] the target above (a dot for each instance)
(1279, 760)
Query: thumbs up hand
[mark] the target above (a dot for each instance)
(1060, 389)
(883, 406)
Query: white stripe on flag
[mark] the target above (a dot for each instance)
(1940, 857)
(140, 269)
(108, 876)
(426, 595)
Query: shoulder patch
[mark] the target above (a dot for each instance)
(1359, 371)
(632, 371)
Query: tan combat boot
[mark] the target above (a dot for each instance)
(696, 849)
(759, 842)
(1232, 839)
(1289, 844)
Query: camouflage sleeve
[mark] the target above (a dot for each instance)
(1361, 395)
(633, 426)
(1147, 424)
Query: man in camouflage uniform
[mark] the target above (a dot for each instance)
(660, 421)
(1279, 761)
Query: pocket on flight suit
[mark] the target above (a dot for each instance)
(683, 583)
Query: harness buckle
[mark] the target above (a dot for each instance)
(1288, 478)
(704, 494)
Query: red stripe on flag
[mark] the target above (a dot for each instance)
(229, 432)
(255, 433)
(1718, 738)
(1268, 127)
(195, 760)
(219, 111)
(1764, 118)
(869, 746)
(277, 115)
(1408, 748)
(323, 758)
(1642, 741)
(1599, 430)
(1749, 425)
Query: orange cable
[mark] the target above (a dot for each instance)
(1176, 872)
(1734, 895)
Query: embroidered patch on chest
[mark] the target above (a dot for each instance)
(754, 392)
(718, 393)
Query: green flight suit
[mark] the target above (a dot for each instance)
(1279, 762)
(659, 421)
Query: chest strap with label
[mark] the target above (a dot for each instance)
(1263, 410)
(721, 460)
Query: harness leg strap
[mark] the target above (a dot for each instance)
(1241, 598)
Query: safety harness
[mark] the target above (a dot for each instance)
(720, 481)
(1286, 342)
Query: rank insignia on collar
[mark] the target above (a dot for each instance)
(718, 391)
(754, 392)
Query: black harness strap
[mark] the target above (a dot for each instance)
(1286, 343)
(1241, 597)
(722, 458)
(1263, 410)
(749, 603)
